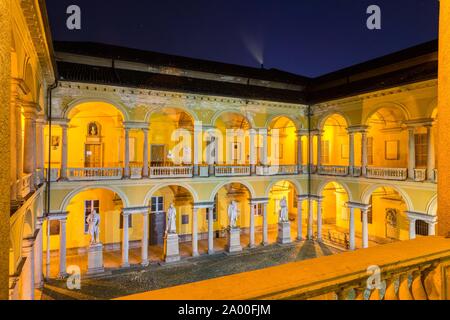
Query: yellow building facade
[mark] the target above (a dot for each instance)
(128, 137)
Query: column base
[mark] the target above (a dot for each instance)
(252, 246)
(145, 263)
(125, 265)
(211, 252)
(264, 244)
(299, 238)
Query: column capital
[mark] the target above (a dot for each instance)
(415, 123)
(413, 216)
(259, 200)
(63, 123)
(135, 210)
(57, 216)
(302, 132)
(356, 205)
(136, 125)
(203, 205)
(302, 197)
(358, 129)
(27, 245)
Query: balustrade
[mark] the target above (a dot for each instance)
(171, 172)
(420, 175)
(333, 170)
(84, 174)
(387, 173)
(232, 171)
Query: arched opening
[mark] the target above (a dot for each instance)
(335, 149)
(223, 198)
(387, 141)
(159, 204)
(95, 139)
(236, 145)
(387, 220)
(283, 141)
(163, 125)
(279, 191)
(335, 214)
(109, 206)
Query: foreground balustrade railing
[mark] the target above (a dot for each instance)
(171, 172)
(420, 175)
(232, 171)
(283, 169)
(333, 170)
(84, 174)
(406, 270)
(387, 173)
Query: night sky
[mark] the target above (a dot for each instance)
(307, 37)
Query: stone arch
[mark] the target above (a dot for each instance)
(298, 188)
(249, 187)
(157, 187)
(220, 113)
(74, 192)
(326, 182)
(28, 225)
(274, 117)
(432, 206)
(365, 198)
(324, 118)
(376, 107)
(188, 111)
(29, 79)
(75, 103)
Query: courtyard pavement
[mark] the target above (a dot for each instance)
(157, 276)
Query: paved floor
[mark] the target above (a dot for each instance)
(156, 276)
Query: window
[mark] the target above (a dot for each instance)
(370, 151)
(157, 204)
(259, 210)
(325, 152)
(130, 221)
(421, 149)
(421, 228)
(184, 219)
(88, 206)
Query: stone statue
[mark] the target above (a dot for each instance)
(94, 227)
(283, 215)
(233, 213)
(171, 219)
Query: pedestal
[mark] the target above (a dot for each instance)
(234, 240)
(95, 259)
(284, 233)
(171, 248)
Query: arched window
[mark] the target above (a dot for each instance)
(421, 228)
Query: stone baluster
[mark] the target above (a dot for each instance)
(417, 288)
(404, 292)
(391, 293)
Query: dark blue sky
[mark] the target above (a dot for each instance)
(307, 37)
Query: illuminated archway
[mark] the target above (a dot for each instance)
(335, 141)
(335, 214)
(164, 124)
(283, 150)
(278, 191)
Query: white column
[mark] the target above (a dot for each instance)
(411, 153)
(432, 228)
(311, 151)
(351, 151)
(265, 226)
(64, 152)
(352, 229)
(210, 230)
(319, 220)
(145, 156)
(364, 153)
(40, 144)
(319, 149)
(252, 137)
(252, 225)
(299, 152)
(412, 228)
(127, 153)
(300, 218)
(19, 143)
(365, 228)
(62, 249)
(30, 142)
(264, 147)
(28, 270)
(431, 155)
(194, 233)
(310, 219)
(144, 244)
(38, 251)
(198, 144)
(125, 240)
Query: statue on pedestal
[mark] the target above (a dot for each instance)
(171, 219)
(283, 214)
(93, 221)
(233, 213)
